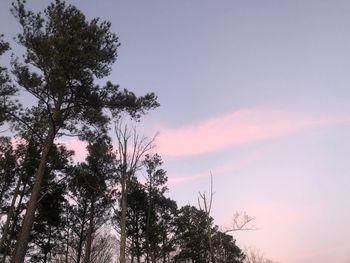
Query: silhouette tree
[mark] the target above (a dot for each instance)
(131, 149)
(150, 215)
(26, 156)
(6, 89)
(192, 231)
(90, 197)
(65, 53)
(47, 228)
(155, 189)
(7, 168)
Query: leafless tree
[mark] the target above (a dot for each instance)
(205, 205)
(131, 148)
(240, 221)
(103, 249)
(254, 255)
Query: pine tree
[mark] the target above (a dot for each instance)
(155, 188)
(90, 196)
(6, 89)
(65, 53)
(191, 231)
(48, 225)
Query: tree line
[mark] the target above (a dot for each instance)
(79, 215)
(54, 209)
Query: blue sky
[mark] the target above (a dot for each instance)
(256, 92)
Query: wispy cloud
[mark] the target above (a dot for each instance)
(232, 165)
(239, 127)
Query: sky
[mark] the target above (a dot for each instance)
(254, 92)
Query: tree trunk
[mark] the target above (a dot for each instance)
(90, 232)
(122, 258)
(148, 219)
(211, 250)
(81, 236)
(23, 237)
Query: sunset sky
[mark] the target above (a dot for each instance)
(255, 92)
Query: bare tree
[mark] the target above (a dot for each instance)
(131, 148)
(205, 205)
(240, 221)
(103, 249)
(254, 255)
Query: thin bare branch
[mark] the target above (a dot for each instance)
(241, 222)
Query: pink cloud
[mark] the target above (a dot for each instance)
(239, 127)
(230, 166)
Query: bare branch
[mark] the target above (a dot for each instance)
(240, 222)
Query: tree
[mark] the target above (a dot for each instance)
(136, 218)
(205, 206)
(90, 197)
(191, 235)
(131, 148)
(4, 46)
(225, 248)
(192, 232)
(155, 188)
(150, 215)
(65, 53)
(5, 88)
(167, 211)
(253, 255)
(8, 175)
(26, 156)
(47, 228)
(7, 168)
(103, 248)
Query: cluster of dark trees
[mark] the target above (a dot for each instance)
(78, 214)
(54, 209)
